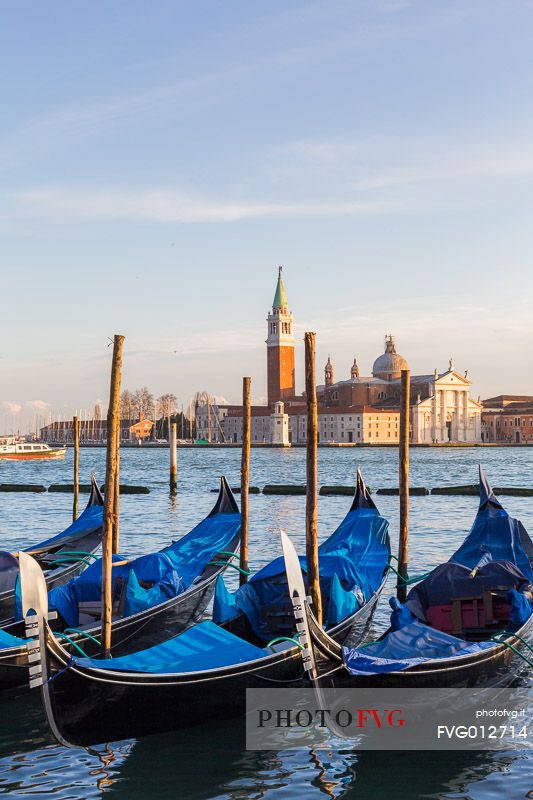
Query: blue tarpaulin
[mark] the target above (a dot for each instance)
(204, 646)
(412, 644)
(352, 560)
(495, 533)
(166, 573)
(491, 559)
(8, 640)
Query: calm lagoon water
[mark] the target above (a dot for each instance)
(211, 762)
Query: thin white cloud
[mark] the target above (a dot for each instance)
(39, 405)
(12, 407)
(161, 205)
(366, 166)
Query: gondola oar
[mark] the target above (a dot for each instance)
(298, 597)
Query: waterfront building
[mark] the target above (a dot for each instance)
(441, 407)
(358, 410)
(507, 418)
(94, 431)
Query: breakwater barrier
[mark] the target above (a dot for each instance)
(288, 489)
(84, 488)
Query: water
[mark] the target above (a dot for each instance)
(211, 762)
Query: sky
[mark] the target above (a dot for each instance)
(159, 160)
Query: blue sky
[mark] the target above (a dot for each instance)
(159, 160)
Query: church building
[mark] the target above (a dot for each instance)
(357, 410)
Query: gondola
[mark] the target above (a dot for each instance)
(203, 672)
(154, 596)
(468, 623)
(61, 557)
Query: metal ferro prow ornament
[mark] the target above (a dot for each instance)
(35, 612)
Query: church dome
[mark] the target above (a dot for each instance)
(389, 366)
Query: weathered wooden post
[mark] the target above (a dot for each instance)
(209, 419)
(116, 492)
(76, 440)
(111, 478)
(311, 506)
(403, 543)
(173, 458)
(245, 477)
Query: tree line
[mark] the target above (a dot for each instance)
(142, 404)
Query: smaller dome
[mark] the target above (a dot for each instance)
(389, 366)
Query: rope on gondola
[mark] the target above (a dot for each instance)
(69, 560)
(72, 643)
(83, 633)
(515, 650)
(407, 580)
(286, 639)
(227, 564)
(70, 663)
(78, 553)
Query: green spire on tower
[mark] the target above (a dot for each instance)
(280, 298)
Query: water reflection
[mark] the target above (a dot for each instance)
(205, 765)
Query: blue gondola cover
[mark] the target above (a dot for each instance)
(412, 644)
(492, 558)
(204, 646)
(351, 561)
(172, 569)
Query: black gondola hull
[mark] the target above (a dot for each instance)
(88, 710)
(494, 667)
(136, 632)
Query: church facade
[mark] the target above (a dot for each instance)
(358, 410)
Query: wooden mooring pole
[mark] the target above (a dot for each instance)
(403, 543)
(112, 479)
(173, 459)
(76, 440)
(245, 478)
(116, 492)
(311, 505)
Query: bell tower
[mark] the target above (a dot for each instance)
(280, 348)
(328, 373)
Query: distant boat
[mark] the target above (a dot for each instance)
(13, 448)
